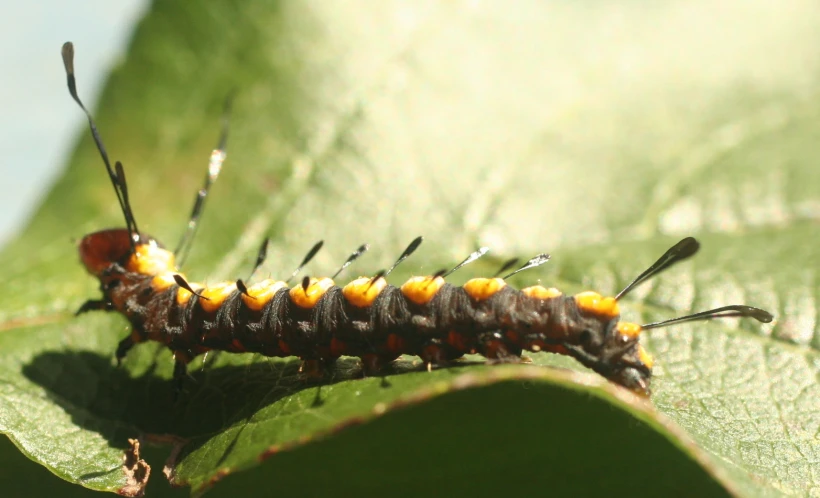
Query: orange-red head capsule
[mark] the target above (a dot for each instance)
(309, 296)
(595, 304)
(421, 290)
(481, 289)
(100, 250)
(363, 291)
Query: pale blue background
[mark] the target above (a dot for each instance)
(39, 122)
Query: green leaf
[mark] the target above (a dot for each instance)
(597, 132)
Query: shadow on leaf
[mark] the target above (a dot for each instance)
(118, 404)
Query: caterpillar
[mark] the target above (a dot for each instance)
(319, 321)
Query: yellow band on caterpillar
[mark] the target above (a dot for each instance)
(481, 289)
(183, 295)
(261, 293)
(213, 297)
(150, 259)
(595, 304)
(363, 291)
(541, 292)
(645, 357)
(631, 330)
(308, 297)
(164, 281)
(421, 290)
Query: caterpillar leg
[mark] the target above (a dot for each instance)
(93, 305)
(496, 349)
(316, 369)
(209, 358)
(436, 352)
(123, 347)
(180, 372)
(373, 363)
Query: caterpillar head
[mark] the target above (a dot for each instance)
(116, 250)
(117, 247)
(127, 250)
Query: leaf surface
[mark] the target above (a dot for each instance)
(598, 133)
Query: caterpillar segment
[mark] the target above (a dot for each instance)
(319, 321)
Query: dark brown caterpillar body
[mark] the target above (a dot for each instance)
(319, 321)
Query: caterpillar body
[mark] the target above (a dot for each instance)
(319, 321)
